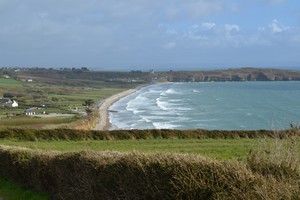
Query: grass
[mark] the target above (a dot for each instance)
(4, 82)
(57, 98)
(76, 165)
(59, 91)
(12, 191)
(267, 173)
(28, 122)
(220, 149)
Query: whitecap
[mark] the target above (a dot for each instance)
(172, 91)
(196, 91)
(164, 125)
(163, 105)
(176, 100)
(163, 94)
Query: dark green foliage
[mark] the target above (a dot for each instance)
(12, 191)
(8, 95)
(88, 102)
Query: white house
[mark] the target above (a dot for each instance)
(8, 102)
(30, 111)
(14, 104)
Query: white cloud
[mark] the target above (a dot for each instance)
(231, 27)
(212, 35)
(277, 27)
(208, 25)
(113, 29)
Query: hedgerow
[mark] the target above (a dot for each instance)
(112, 175)
(71, 134)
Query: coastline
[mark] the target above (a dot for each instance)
(103, 122)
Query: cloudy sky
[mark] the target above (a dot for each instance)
(145, 34)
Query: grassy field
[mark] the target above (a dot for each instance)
(237, 168)
(220, 149)
(61, 97)
(4, 82)
(270, 171)
(52, 97)
(24, 122)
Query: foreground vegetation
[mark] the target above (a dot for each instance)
(12, 191)
(69, 134)
(220, 149)
(149, 164)
(270, 172)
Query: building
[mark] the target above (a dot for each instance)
(8, 102)
(5, 101)
(14, 104)
(30, 112)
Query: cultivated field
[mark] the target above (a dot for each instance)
(57, 92)
(220, 149)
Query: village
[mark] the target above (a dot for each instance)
(8, 103)
(40, 111)
(50, 98)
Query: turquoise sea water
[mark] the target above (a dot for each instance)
(213, 105)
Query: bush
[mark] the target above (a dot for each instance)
(280, 159)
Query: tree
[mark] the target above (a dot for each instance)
(8, 95)
(88, 102)
(84, 69)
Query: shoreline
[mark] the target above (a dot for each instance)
(103, 121)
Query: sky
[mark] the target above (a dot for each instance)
(150, 34)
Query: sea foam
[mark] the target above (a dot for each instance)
(229, 106)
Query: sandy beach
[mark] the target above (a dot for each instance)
(103, 123)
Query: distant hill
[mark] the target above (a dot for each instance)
(242, 74)
(86, 77)
(76, 77)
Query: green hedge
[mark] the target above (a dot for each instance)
(111, 175)
(70, 134)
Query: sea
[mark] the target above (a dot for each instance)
(210, 105)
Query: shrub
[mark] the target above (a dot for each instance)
(280, 159)
(279, 163)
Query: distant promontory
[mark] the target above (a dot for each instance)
(241, 74)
